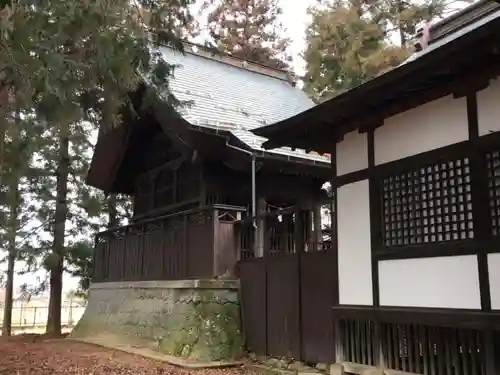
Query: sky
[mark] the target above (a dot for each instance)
(295, 21)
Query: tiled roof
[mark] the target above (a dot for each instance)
(227, 97)
(473, 16)
(396, 85)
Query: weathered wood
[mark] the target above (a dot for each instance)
(190, 244)
(260, 230)
(318, 230)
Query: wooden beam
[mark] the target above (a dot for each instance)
(108, 154)
(371, 125)
(476, 82)
(375, 217)
(334, 226)
(170, 165)
(173, 125)
(329, 129)
(480, 201)
(459, 86)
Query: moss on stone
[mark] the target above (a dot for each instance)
(197, 324)
(210, 331)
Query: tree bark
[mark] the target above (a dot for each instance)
(56, 263)
(9, 298)
(2, 144)
(12, 228)
(4, 98)
(11, 259)
(402, 36)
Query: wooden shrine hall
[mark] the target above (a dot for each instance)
(411, 283)
(197, 174)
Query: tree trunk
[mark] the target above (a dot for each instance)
(402, 36)
(112, 214)
(2, 145)
(9, 297)
(9, 287)
(12, 227)
(4, 110)
(56, 263)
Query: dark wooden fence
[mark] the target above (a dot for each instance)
(193, 244)
(289, 310)
(421, 341)
(287, 294)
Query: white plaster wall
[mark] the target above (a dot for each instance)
(354, 245)
(352, 153)
(445, 282)
(488, 108)
(494, 274)
(433, 125)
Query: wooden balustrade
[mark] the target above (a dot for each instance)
(417, 341)
(278, 232)
(197, 243)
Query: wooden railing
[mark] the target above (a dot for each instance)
(278, 232)
(197, 243)
(290, 309)
(417, 341)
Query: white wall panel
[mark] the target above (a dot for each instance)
(488, 108)
(354, 244)
(352, 153)
(445, 282)
(494, 274)
(433, 125)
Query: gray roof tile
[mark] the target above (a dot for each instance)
(454, 35)
(230, 98)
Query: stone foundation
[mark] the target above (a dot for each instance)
(197, 320)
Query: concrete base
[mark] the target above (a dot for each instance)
(196, 320)
(113, 342)
(269, 368)
(336, 369)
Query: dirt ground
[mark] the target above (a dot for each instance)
(29, 354)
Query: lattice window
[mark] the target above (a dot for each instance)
(493, 165)
(428, 205)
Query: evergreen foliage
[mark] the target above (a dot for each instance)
(66, 62)
(250, 30)
(352, 41)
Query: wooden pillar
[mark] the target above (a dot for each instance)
(378, 349)
(300, 239)
(237, 235)
(318, 230)
(300, 230)
(338, 367)
(307, 223)
(260, 230)
(490, 358)
(287, 233)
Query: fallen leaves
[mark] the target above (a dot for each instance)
(26, 354)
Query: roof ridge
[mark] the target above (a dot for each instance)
(237, 62)
(431, 33)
